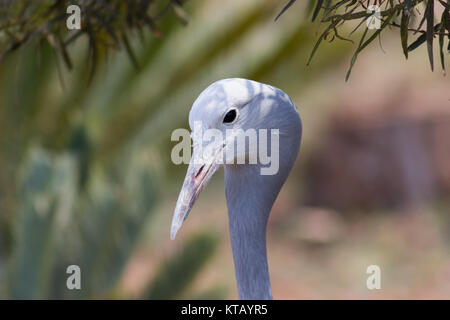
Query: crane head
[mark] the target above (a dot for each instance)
(223, 120)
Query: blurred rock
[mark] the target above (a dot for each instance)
(314, 226)
(392, 151)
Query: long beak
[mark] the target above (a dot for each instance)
(198, 175)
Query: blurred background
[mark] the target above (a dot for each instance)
(86, 176)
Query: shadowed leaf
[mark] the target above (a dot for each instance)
(367, 42)
(321, 37)
(290, 3)
(130, 51)
(444, 21)
(429, 34)
(180, 13)
(421, 39)
(317, 9)
(404, 27)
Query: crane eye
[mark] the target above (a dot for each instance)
(230, 116)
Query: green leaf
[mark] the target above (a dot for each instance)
(404, 27)
(421, 39)
(321, 37)
(290, 3)
(32, 253)
(317, 9)
(367, 42)
(180, 13)
(65, 54)
(444, 18)
(130, 51)
(355, 55)
(429, 34)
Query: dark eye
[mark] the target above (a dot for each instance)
(230, 116)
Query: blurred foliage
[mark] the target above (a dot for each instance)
(99, 239)
(400, 14)
(83, 167)
(106, 24)
(175, 275)
(59, 204)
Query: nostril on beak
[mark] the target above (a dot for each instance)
(199, 171)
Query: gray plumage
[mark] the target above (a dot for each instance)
(249, 194)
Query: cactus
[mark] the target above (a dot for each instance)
(97, 232)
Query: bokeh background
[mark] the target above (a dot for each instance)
(86, 176)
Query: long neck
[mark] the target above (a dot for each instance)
(250, 197)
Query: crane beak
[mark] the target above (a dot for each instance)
(199, 172)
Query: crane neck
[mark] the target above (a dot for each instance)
(250, 197)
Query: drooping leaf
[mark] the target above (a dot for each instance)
(317, 9)
(130, 51)
(444, 21)
(321, 37)
(404, 27)
(421, 39)
(355, 55)
(429, 34)
(367, 42)
(290, 3)
(179, 12)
